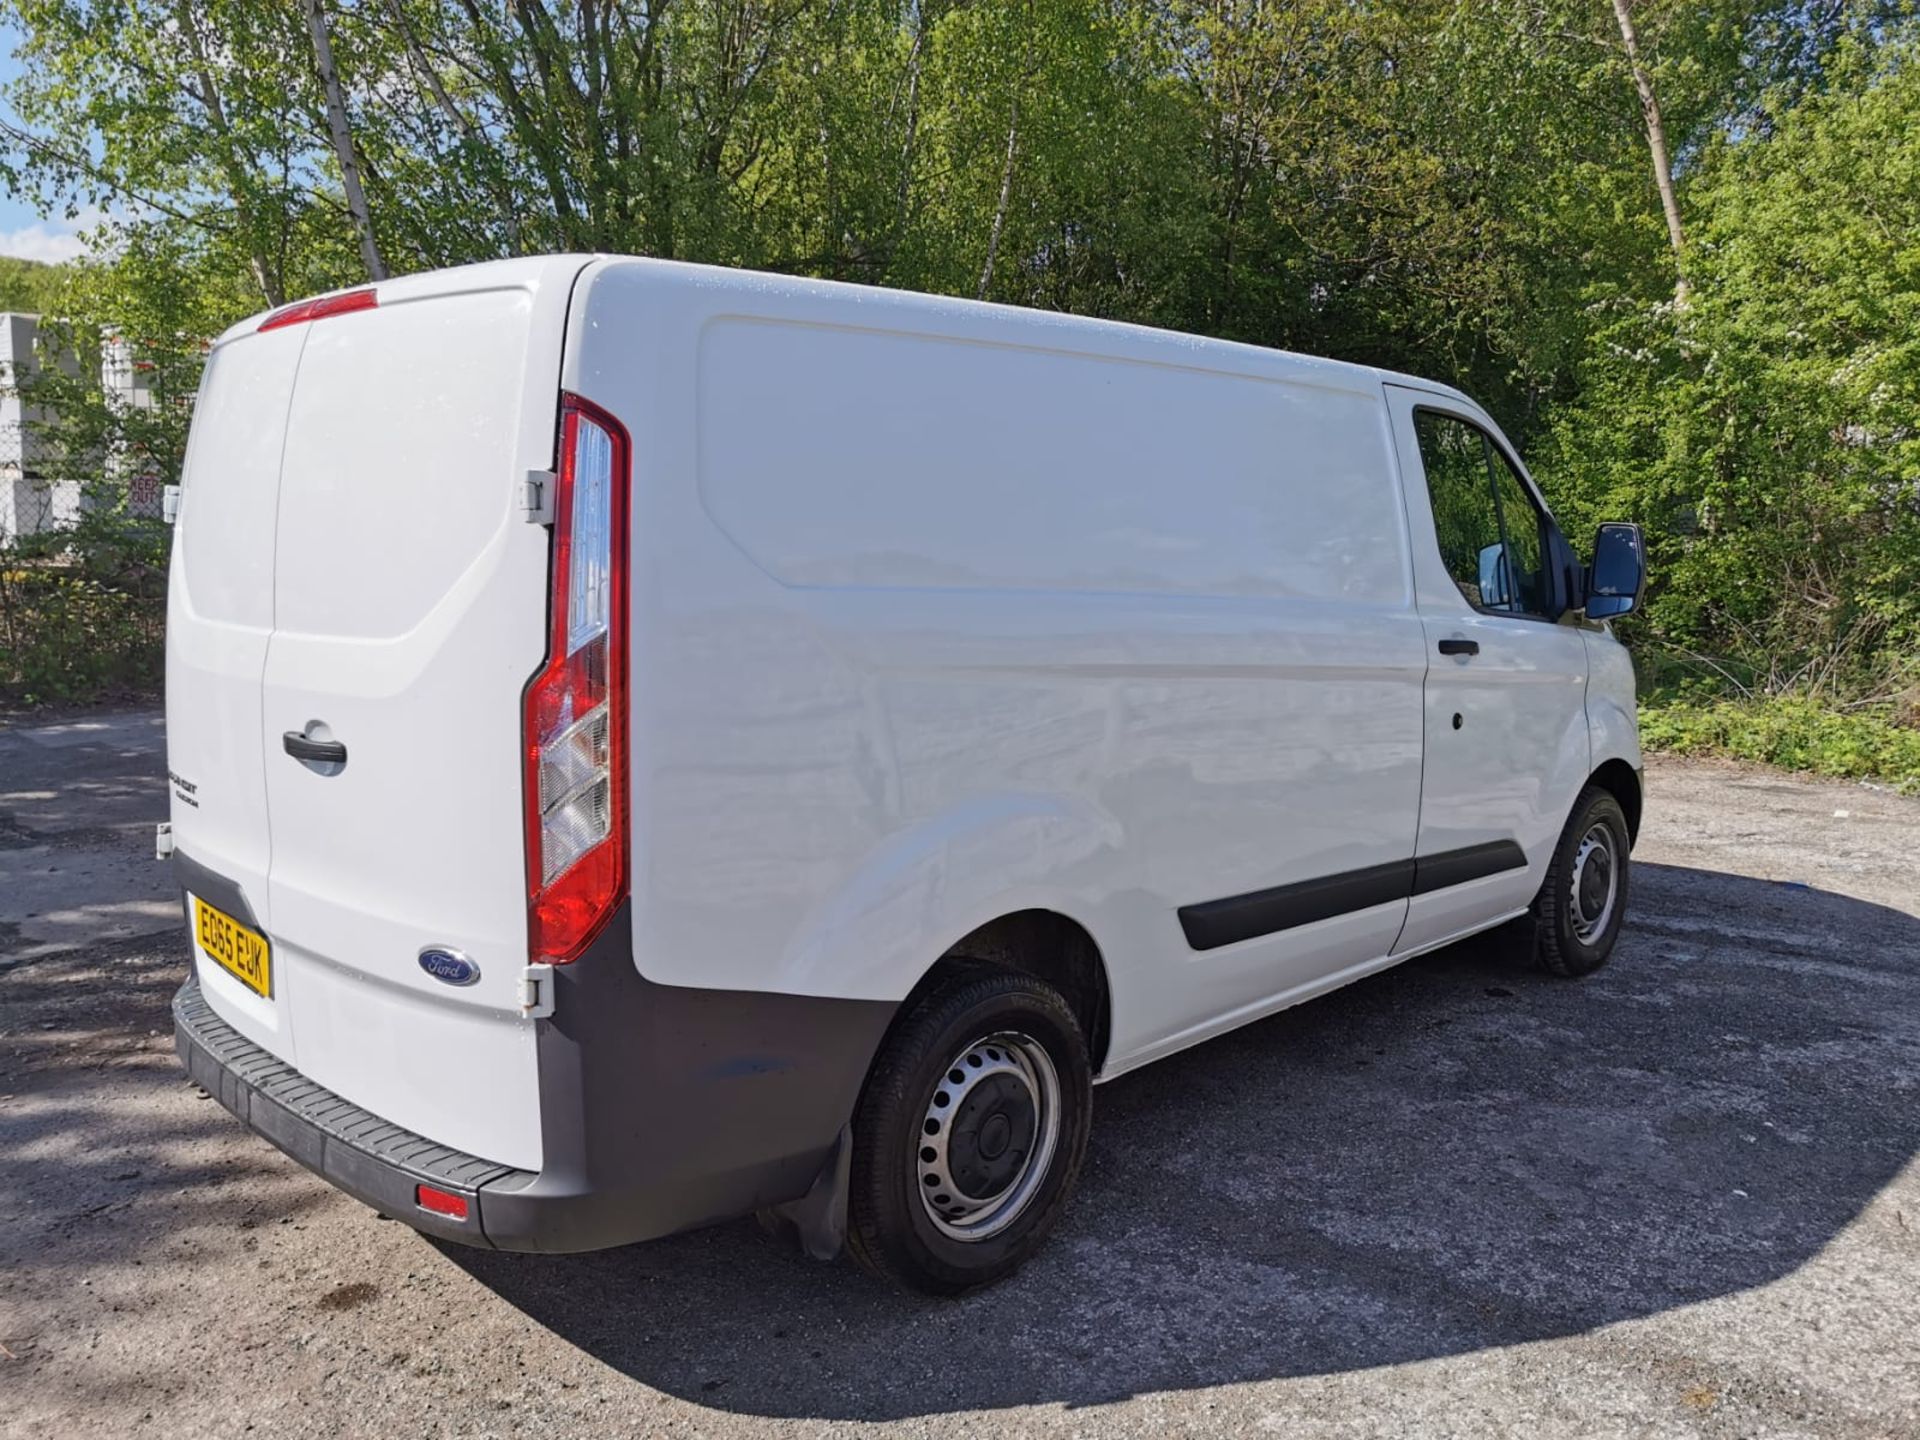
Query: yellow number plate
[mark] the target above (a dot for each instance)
(242, 953)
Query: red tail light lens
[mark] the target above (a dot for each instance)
(575, 723)
(320, 308)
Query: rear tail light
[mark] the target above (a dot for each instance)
(576, 706)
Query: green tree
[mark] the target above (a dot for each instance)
(29, 285)
(1460, 188)
(1769, 441)
(109, 400)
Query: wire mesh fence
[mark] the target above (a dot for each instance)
(39, 508)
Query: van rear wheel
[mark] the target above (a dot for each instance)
(970, 1134)
(1577, 914)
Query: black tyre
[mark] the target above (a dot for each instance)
(1577, 914)
(970, 1134)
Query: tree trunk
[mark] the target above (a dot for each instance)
(1657, 144)
(423, 66)
(529, 113)
(903, 190)
(343, 151)
(264, 274)
(1006, 193)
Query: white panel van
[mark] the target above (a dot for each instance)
(652, 743)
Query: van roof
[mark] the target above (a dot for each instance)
(1116, 337)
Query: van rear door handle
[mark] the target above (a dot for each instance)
(323, 752)
(1459, 647)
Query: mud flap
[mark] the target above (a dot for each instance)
(818, 1219)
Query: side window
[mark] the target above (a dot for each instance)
(1520, 526)
(1487, 525)
(1455, 458)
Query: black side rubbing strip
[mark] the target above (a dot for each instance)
(1475, 862)
(1241, 917)
(1214, 923)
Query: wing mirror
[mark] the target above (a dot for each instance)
(1495, 591)
(1617, 579)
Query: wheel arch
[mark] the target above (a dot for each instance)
(1049, 946)
(1622, 781)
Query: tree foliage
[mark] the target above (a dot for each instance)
(28, 286)
(1458, 188)
(1767, 434)
(82, 606)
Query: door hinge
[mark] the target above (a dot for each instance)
(536, 498)
(169, 503)
(536, 992)
(163, 840)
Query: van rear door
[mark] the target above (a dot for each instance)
(219, 622)
(409, 613)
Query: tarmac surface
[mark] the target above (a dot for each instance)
(1459, 1198)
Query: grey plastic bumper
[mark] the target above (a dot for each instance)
(662, 1108)
(369, 1158)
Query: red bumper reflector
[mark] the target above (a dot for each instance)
(440, 1202)
(325, 305)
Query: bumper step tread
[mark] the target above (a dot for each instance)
(262, 1076)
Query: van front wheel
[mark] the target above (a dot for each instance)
(970, 1133)
(1577, 914)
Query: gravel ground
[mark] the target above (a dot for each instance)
(1677, 1198)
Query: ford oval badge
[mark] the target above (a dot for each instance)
(448, 966)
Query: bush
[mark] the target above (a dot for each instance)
(72, 638)
(1790, 731)
(83, 611)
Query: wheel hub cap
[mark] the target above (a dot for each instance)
(1595, 884)
(992, 1136)
(988, 1135)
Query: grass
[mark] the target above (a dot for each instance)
(1792, 732)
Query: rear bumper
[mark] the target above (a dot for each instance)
(370, 1159)
(363, 1154)
(662, 1109)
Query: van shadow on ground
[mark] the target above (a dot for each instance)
(1454, 1155)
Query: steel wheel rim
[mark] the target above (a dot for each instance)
(998, 1095)
(1594, 885)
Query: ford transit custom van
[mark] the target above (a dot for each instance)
(653, 743)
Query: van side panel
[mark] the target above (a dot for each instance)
(968, 610)
(870, 458)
